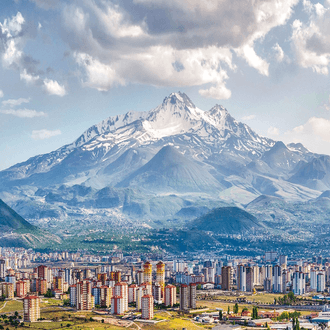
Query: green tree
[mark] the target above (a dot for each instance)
(228, 311)
(291, 296)
(254, 312)
(235, 309)
(220, 315)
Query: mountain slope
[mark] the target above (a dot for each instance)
(15, 231)
(11, 220)
(226, 220)
(170, 170)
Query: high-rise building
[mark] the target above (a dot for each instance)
(117, 305)
(31, 309)
(157, 293)
(21, 289)
(187, 296)
(170, 295)
(227, 278)
(298, 283)
(140, 292)
(102, 277)
(192, 295)
(277, 279)
(7, 289)
(320, 287)
(42, 271)
(132, 293)
(268, 284)
(284, 280)
(249, 279)
(147, 307)
(121, 290)
(41, 286)
(241, 278)
(140, 277)
(160, 276)
(117, 276)
(2, 268)
(184, 297)
(96, 293)
(58, 283)
(68, 275)
(147, 272)
(73, 295)
(105, 296)
(84, 295)
(283, 260)
(313, 280)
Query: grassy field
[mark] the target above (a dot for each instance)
(11, 306)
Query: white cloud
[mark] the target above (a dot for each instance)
(315, 134)
(98, 75)
(161, 66)
(279, 53)
(29, 79)
(310, 41)
(12, 40)
(249, 117)
(44, 134)
(1, 94)
(52, 87)
(219, 92)
(23, 113)
(14, 33)
(273, 131)
(192, 46)
(249, 54)
(12, 102)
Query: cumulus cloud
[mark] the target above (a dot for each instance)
(98, 75)
(15, 102)
(315, 134)
(23, 113)
(14, 34)
(29, 78)
(1, 94)
(310, 41)
(273, 131)
(169, 43)
(249, 117)
(52, 87)
(44, 134)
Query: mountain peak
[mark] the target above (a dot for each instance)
(218, 110)
(179, 97)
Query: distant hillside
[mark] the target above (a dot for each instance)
(10, 219)
(226, 220)
(15, 231)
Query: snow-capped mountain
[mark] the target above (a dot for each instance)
(156, 163)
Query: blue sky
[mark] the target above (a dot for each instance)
(66, 65)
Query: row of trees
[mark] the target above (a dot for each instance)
(235, 310)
